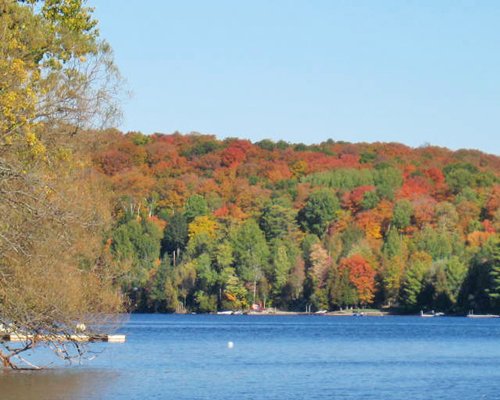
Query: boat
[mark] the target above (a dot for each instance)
(225, 312)
(483, 316)
(428, 315)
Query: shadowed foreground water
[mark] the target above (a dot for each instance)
(298, 357)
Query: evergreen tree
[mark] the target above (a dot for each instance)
(413, 285)
(394, 260)
(319, 210)
(402, 214)
(251, 253)
(277, 221)
(491, 254)
(175, 236)
(196, 206)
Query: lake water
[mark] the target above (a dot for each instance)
(281, 357)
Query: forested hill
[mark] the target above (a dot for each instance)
(203, 224)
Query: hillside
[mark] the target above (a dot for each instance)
(203, 224)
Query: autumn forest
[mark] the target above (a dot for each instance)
(201, 224)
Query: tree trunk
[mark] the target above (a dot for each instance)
(254, 290)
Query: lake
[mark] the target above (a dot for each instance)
(280, 357)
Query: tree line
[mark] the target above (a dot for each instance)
(203, 224)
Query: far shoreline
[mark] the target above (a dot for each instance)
(356, 314)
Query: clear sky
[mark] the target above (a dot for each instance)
(415, 72)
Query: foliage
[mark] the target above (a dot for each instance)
(413, 284)
(277, 221)
(137, 244)
(318, 211)
(251, 251)
(196, 206)
(401, 217)
(56, 77)
(279, 224)
(361, 277)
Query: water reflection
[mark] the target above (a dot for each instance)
(55, 384)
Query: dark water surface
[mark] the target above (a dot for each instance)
(296, 357)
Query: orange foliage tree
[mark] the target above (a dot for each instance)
(361, 276)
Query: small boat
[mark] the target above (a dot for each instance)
(483, 316)
(225, 312)
(321, 312)
(427, 315)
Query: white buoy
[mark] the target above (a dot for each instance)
(230, 345)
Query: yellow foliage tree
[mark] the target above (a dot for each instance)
(203, 225)
(56, 76)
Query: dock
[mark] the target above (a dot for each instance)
(15, 337)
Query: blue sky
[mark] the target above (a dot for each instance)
(414, 72)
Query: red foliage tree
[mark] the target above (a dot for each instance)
(436, 175)
(414, 187)
(113, 161)
(493, 203)
(423, 210)
(361, 276)
(352, 200)
(278, 172)
(232, 156)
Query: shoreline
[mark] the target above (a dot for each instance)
(358, 314)
(351, 313)
(329, 314)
